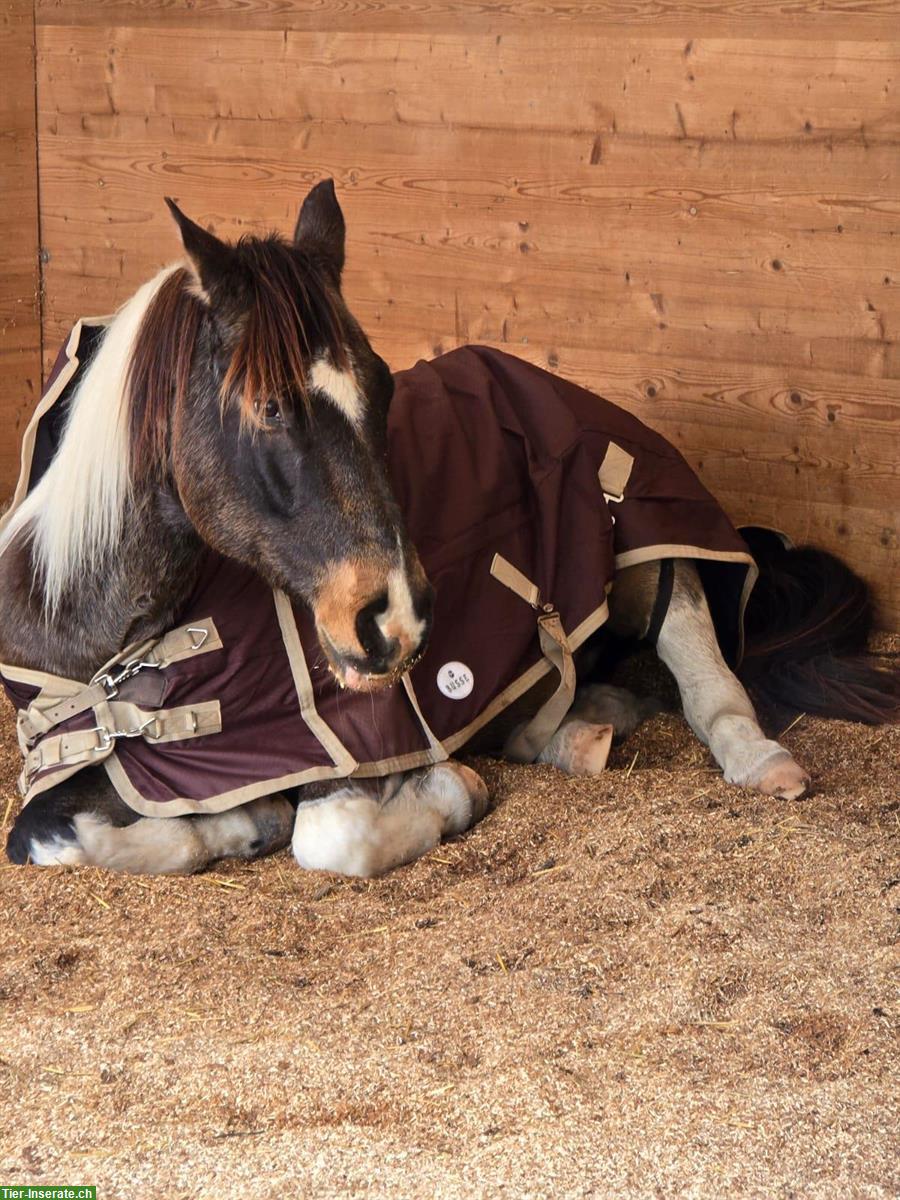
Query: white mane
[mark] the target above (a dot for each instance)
(74, 515)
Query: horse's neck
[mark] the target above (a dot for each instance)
(133, 595)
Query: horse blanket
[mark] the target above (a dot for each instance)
(523, 493)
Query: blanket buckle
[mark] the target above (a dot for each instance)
(111, 681)
(107, 737)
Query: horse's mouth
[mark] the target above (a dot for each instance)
(355, 678)
(359, 681)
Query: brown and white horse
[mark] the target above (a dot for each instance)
(235, 403)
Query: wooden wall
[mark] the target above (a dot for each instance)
(20, 317)
(692, 208)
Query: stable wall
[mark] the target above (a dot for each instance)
(696, 215)
(20, 316)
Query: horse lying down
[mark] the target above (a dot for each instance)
(253, 588)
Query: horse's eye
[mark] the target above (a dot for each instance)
(272, 412)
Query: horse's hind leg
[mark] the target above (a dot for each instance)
(715, 704)
(83, 822)
(367, 827)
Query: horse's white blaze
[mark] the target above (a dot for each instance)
(340, 387)
(399, 619)
(75, 513)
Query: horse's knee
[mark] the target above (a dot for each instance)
(340, 833)
(151, 846)
(356, 832)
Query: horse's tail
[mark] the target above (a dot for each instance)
(807, 631)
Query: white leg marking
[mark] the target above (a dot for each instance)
(151, 846)
(355, 832)
(56, 853)
(715, 704)
(172, 845)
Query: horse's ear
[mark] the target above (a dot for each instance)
(321, 223)
(208, 256)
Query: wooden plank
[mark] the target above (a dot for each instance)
(20, 327)
(708, 234)
(648, 87)
(753, 19)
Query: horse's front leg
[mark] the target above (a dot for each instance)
(82, 822)
(367, 827)
(715, 704)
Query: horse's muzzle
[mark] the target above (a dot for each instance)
(377, 644)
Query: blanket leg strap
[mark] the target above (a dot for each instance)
(527, 743)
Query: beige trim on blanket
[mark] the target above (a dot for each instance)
(343, 760)
(182, 806)
(526, 681)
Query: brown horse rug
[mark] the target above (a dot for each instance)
(523, 493)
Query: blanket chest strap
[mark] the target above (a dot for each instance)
(118, 719)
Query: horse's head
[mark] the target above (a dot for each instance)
(277, 441)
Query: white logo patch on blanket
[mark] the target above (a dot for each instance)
(455, 680)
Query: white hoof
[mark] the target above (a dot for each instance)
(459, 793)
(579, 748)
(782, 777)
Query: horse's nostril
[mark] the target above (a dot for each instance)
(370, 636)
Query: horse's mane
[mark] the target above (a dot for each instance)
(117, 430)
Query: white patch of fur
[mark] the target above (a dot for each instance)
(715, 703)
(55, 853)
(340, 387)
(74, 515)
(399, 618)
(150, 846)
(353, 832)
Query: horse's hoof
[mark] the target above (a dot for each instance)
(588, 750)
(462, 795)
(785, 779)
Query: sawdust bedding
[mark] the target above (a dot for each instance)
(646, 984)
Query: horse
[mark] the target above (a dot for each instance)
(235, 404)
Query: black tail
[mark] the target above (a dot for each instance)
(807, 631)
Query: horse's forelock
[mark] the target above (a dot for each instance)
(293, 319)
